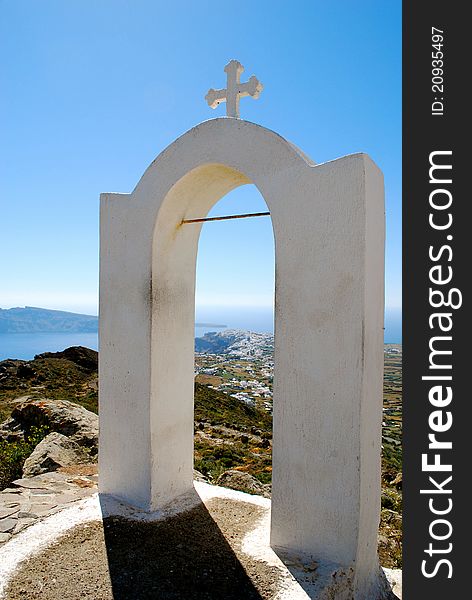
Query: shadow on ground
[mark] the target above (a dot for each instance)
(186, 556)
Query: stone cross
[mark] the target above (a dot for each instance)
(234, 90)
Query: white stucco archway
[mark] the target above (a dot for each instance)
(328, 225)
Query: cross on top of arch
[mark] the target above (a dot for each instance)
(235, 90)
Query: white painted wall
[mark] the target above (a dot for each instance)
(329, 243)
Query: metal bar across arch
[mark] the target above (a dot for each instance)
(225, 218)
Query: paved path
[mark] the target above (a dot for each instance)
(31, 500)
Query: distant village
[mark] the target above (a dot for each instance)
(241, 364)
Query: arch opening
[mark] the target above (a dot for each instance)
(234, 365)
(198, 194)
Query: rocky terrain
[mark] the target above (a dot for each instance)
(49, 438)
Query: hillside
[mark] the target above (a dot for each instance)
(42, 320)
(230, 434)
(226, 430)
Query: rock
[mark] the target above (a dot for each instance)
(244, 482)
(7, 525)
(7, 512)
(8, 373)
(54, 451)
(397, 482)
(60, 416)
(23, 523)
(32, 484)
(84, 357)
(197, 476)
(25, 372)
(10, 367)
(11, 436)
(392, 518)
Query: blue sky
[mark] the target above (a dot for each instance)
(93, 91)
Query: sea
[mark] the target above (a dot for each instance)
(25, 346)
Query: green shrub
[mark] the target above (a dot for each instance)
(391, 499)
(14, 454)
(212, 460)
(264, 476)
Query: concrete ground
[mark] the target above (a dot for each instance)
(213, 545)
